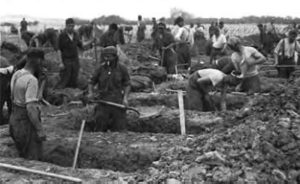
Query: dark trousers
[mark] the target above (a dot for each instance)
(197, 96)
(251, 84)
(285, 72)
(169, 61)
(109, 118)
(24, 134)
(183, 55)
(69, 75)
(215, 52)
(4, 96)
(140, 35)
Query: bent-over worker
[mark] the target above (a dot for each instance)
(200, 84)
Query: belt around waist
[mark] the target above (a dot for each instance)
(16, 105)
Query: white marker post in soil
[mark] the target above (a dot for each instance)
(181, 111)
(78, 145)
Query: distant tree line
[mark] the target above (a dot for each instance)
(30, 23)
(189, 19)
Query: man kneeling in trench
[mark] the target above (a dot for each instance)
(113, 85)
(200, 83)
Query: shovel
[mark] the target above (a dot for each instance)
(121, 106)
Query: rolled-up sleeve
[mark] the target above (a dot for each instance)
(31, 91)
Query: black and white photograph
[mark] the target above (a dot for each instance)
(149, 92)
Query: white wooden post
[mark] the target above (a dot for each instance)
(181, 112)
(78, 144)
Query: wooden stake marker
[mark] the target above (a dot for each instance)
(181, 111)
(78, 145)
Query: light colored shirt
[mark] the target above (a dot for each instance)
(24, 88)
(219, 42)
(200, 28)
(224, 31)
(290, 49)
(216, 76)
(181, 33)
(191, 36)
(7, 70)
(242, 61)
(270, 28)
(71, 36)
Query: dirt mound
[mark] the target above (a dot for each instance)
(261, 147)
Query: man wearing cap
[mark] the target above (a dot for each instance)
(286, 53)
(25, 121)
(181, 35)
(166, 44)
(68, 43)
(246, 60)
(113, 85)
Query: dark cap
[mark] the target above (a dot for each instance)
(110, 50)
(35, 53)
(70, 21)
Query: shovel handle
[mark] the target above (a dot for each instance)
(116, 105)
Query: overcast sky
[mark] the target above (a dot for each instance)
(129, 9)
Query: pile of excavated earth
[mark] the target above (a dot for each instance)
(257, 140)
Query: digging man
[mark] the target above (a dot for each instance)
(25, 121)
(200, 84)
(113, 85)
(246, 60)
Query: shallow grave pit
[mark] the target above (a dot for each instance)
(103, 154)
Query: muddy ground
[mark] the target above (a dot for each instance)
(255, 141)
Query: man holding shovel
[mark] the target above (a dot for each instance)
(113, 85)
